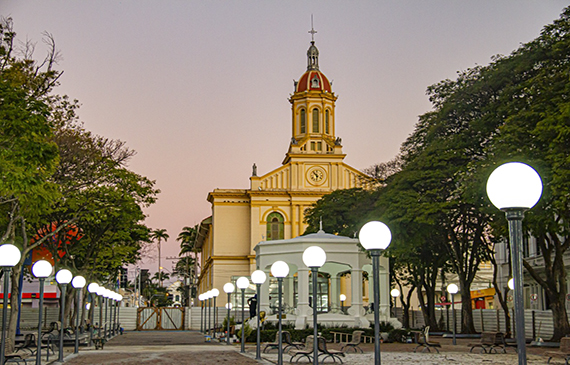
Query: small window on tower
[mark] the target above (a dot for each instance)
(315, 84)
(319, 146)
(312, 146)
(303, 121)
(315, 120)
(327, 123)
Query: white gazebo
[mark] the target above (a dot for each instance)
(343, 257)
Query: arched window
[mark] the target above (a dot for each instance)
(327, 123)
(275, 226)
(303, 121)
(315, 120)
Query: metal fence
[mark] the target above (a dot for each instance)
(538, 323)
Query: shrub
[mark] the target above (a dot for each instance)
(398, 335)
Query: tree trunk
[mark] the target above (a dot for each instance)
(14, 296)
(559, 317)
(467, 325)
(429, 317)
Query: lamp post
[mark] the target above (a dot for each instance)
(112, 311)
(375, 237)
(280, 269)
(100, 291)
(92, 289)
(453, 289)
(209, 297)
(395, 293)
(215, 293)
(258, 277)
(63, 277)
(242, 283)
(342, 300)
(41, 270)
(201, 299)
(119, 300)
(106, 293)
(513, 188)
(314, 257)
(10, 255)
(78, 283)
(228, 289)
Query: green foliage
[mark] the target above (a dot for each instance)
(384, 326)
(225, 323)
(247, 332)
(342, 212)
(399, 335)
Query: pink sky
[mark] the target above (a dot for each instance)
(199, 88)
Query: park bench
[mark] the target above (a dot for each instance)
(29, 344)
(326, 352)
(422, 339)
(564, 351)
(15, 358)
(306, 352)
(490, 342)
(285, 340)
(354, 342)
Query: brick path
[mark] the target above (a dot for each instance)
(188, 347)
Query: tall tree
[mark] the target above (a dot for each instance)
(159, 235)
(28, 156)
(186, 265)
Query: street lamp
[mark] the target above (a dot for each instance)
(215, 293)
(10, 255)
(63, 277)
(209, 311)
(513, 188)
(395, 293)
(78, 283)
(342, 300)
(100, 291)
(453, 289)
(92, 289)
(41, 270)
(113, 311)
(375, 237)
(511, 284)
(258, 277)
(242, 283)
(119, 300)
(315, 257)
(106, 293)
(280, 269)
(228, 289)
(202, 326)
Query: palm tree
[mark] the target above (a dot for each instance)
(159, 234)
(187, 240)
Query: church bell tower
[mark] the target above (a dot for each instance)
(313, 112)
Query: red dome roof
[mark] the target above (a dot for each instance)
(313, 80)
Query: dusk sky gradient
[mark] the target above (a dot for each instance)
(199, 88)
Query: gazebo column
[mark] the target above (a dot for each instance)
(356, 309)
(384, 294)
(335, 293)
(264, 300)
(288, 291)
(303, 308)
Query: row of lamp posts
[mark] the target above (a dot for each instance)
(10, 255)
(512, 187)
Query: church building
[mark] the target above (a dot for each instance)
(274, 206)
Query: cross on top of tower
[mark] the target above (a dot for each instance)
(312, 31)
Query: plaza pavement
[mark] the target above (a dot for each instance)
(188, 347)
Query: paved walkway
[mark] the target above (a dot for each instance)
(188, 347)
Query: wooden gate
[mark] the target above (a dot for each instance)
(152, 319)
